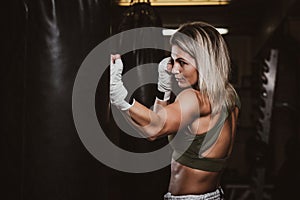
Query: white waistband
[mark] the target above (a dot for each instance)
(215, 195)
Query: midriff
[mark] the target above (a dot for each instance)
(185, 180)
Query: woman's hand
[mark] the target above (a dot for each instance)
(117, 90)
(165, 77)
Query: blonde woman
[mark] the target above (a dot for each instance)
(201, 122)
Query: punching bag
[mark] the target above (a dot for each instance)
(13, 43)
(59, 35)
(137, 16)
(151, 185)
(140, 15)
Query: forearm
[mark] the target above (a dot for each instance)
(150, 123)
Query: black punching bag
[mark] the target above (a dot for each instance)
(150, 185)
(13, 27)
(56, 164)
(136, 16)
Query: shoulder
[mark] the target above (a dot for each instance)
(194, 99)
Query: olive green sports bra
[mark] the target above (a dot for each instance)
(188, 147)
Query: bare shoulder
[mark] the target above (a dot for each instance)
(194, 99)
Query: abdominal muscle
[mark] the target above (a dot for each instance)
(185, 180)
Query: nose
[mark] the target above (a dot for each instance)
(176, 68)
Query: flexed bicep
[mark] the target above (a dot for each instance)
(181, 113)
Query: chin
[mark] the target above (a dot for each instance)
(183, 85)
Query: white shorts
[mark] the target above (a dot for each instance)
(218, 194)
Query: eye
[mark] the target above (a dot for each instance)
(182, 63)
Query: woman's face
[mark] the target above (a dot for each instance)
(183, 67)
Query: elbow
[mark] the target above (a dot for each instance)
(158, 135)
(151, 138)
(154, 132)
(150, 133)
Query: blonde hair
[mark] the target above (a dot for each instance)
(205, 44)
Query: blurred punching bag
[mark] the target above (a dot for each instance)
(136, 16)
(59, 36)
(141, 15)
(154, 184)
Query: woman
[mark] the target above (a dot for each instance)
(201, 122)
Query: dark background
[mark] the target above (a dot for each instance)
(43, 45)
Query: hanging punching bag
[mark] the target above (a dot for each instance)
(13, 23)
(140, 15)
(56, 164)
(154, 184)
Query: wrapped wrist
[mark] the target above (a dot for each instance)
(124, 105)
(163, 96)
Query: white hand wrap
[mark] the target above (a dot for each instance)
(117, 90)
(164, 78)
